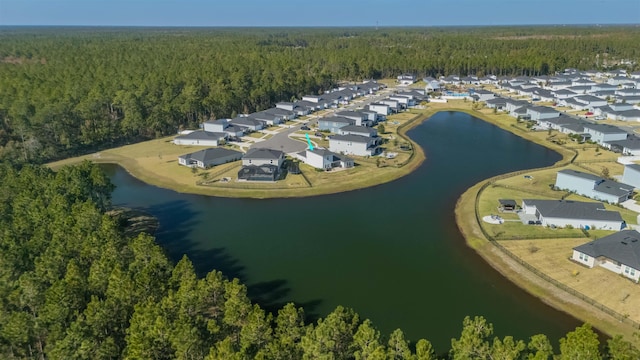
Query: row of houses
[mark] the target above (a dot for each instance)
(257, 164)
(215, 132)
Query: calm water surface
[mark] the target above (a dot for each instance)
(392, 252)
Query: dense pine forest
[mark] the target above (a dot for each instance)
(65, 91)
(74, 286)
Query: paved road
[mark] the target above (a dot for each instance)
(281, 141)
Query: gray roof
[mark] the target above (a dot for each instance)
(580, 174)
(325, 152)
(604, 128)
(497, 101)
(564, 120)
(350, 113)
(613, 188)
(203, 135)
(564, 92)
(243, 120)
(359, 129)
(522, 110)
(218, 121)
(337, 119)
(573, 210)
(543, 110)
(211, 154)
(589, 98)
(622, 247)
(263, 154)
(278, 111)
(632, 142)
(577, 127)
(352, 138)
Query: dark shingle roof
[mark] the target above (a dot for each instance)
(202, 135)
(352, 138)
(573, 210)
(623, 247)
(211, 154)
(267, 154)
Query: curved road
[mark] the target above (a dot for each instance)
(281, 141)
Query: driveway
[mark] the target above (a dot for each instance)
(281, 141)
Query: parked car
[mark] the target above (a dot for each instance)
(305, 128)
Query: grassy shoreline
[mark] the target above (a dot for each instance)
(464, 210)
(466, 220)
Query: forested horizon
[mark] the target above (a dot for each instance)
(75, 284)
(66, 91)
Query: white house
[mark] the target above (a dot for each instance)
(247, 123)
(379, 108)
(353, 145)
(619, 252)
(580, 215)
(593, 186)
(261, 156)
(603, 133)
(432, 84)
(542, 112)
(201, 138)
(631, 175)
(223, 126)
(334, 123)
(324, 159)
(406, 79)
(590, 101)
(358, 130)
(209, 157)
(628, 146)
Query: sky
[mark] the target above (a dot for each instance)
(317, 13)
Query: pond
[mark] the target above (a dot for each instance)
(392, 252)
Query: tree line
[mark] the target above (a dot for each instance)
(66, 91)
(74, 286)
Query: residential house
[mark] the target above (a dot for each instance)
(618, 252)
(628, 146)
(558, 85)
(628, 92)
(631, 175)
(580, 215)
(201, 138)
(262, 156)
(283, 113)
(247, 123)
(334, 123)
(394, 105)
(380, 109)
(483, 95)
(618, 80)
(563, 94)
(406, 79)
(324, 159)
(432, 84)
(590, 101)
(496, 103)
(358, 130)
(404, 101)
(602, 133)
(294, 107)
(629, 99)
(354, 145)
(268, 119)
(542, 112)
(207, 158)
(593, 186)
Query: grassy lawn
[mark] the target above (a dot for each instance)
(256, 135)
(552, 258)
(155, 162)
